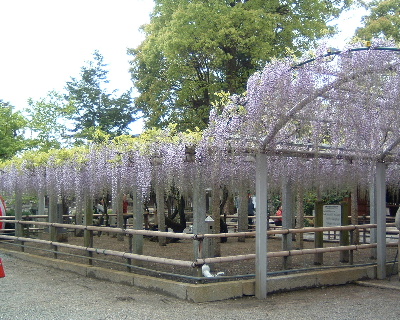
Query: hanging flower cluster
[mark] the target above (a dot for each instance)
(323, 123)
(123, 165)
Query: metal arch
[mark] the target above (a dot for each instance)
(338, 52)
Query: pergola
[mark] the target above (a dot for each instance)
(328, 122)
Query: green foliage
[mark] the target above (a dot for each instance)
(12, 125)
(155, 136)
(93, 107)
(382, 21)
(33, 159)
(144, 144)
(333, 197)
(196, 48)
(47, 121)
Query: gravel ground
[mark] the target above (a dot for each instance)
(31, 291)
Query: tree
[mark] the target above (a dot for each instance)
(95, 108)
(12, 125)
(194, 49)
(47, 121)
(383, 20)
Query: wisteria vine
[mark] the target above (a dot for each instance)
(322, 123)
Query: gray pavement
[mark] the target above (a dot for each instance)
(31, 291)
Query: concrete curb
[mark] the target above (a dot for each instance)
(378, 284)
(210, 291)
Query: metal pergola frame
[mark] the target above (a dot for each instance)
(377, 189)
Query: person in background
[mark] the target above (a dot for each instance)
(278, 221)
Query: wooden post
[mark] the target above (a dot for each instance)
(287, 218)
(130, 249)
(319, 236)
(162, 241)
(381, 219)
(18, 216)
(18, 213)
(137, 225)
(243, 220)
(261, 227)
(117, 210)
(53, 215)
(61, 233)
(300, 217)
(88, 235)
(344, 235)
(215, 244)
(53, 218)
(354, 213)
(41, 202)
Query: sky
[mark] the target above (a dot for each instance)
(43, 43)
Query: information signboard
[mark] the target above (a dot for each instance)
(332, 215)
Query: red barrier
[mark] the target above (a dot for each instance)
(2, 274)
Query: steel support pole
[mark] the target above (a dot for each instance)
(261, 227)
(372, 214)
(381, 219)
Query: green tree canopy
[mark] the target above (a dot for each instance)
(93, 107)
(383, 20)
(196, 48)
(47, 121)
(12, 126)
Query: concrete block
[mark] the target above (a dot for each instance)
(69, 266)
(249, 287)
(176, 289)
(343, 276)
(54, 263)
(214, 291)
(110, 275)
(290, 282)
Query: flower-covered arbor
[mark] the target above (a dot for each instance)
(338, 105)
(328, 121)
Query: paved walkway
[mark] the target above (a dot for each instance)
(30, 291)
